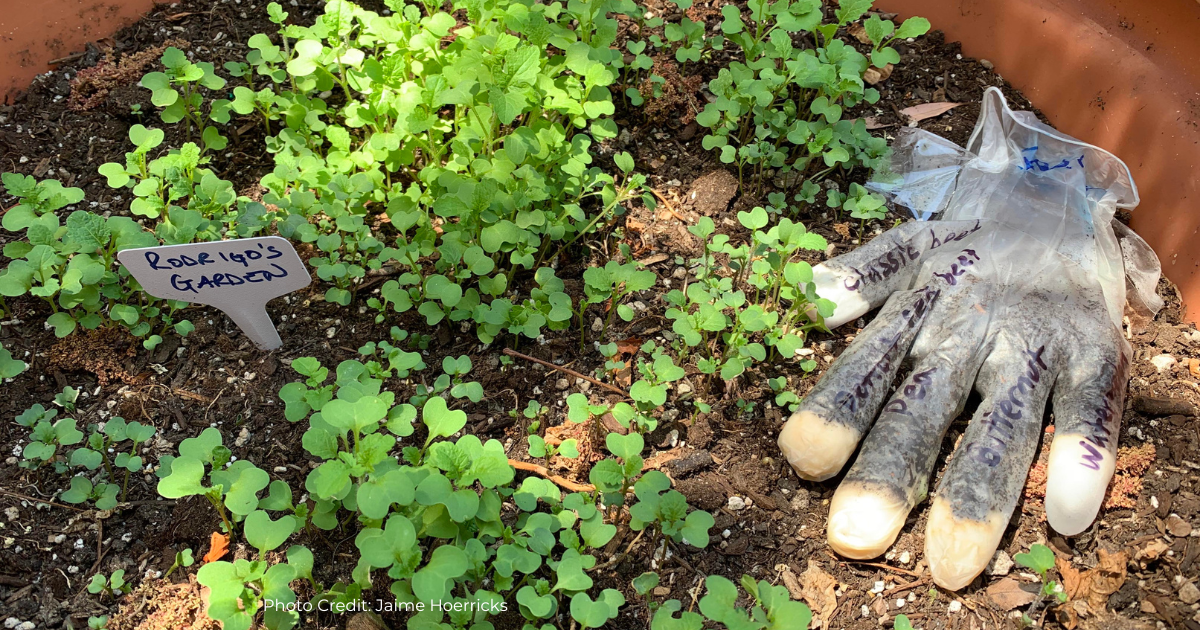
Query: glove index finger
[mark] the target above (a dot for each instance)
(822, 434)
(865, 278)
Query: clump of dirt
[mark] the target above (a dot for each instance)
(158, 604)
(1130, 468)
(91, 86)
(100, 351)
(674, 98)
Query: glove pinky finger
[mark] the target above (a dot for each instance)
(1088, 401)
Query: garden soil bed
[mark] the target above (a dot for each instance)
(723, 460)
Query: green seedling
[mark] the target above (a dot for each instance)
(96, 452)
(882, 32)
(452, 381)
(1040, 560)
(10, 367)
(67, 398)
(112, 586)
(178, 91)
(668, 512)
(233, 488)
(183, 559)
(611, 283)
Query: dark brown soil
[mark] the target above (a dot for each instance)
(216, 377)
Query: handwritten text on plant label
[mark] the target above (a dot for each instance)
(237, 276)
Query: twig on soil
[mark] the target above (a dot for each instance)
(613, 388)
(15, 582)
(36, 500)
(670, 207)
(621, 556)
(544, 472)
(877, 565)
(70, 57)
(210, 405)
(99, 545)
(906, 586)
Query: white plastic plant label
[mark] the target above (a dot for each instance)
(238, 276)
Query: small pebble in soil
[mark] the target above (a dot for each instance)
(987, 64)
(1177, 526)
(900, 603)
(955, 606)
(905, 557)
(597, 325)
(1163, 362)
(736, 503)
(878, 588)
(1189, 594)
(562, 383)
(79, 544)
(58, 540)
(1001, 564)
(11, 622)
(280, 469)
(726, 534)
(866, 612)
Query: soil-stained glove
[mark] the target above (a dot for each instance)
(1018, 293)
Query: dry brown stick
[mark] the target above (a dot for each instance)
(70, 57)
(877, 565)
(544, 472)
(36, 500)
(613, 388)
(900, 588)
(620, 556)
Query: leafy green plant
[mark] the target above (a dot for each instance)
(719, 319)
(882, 32)
(112, 585)
(487, 164)
(782, 107)
(451, 381)
(770, 607)
(611, 283)
(183, 559)
(10, 367)
(400, 362)
(178, 91)
(667, 510)
(66, 399)
(35, 199)
(431, 522)
(100, 443)
(72, 267)
(97, 623)
(234, 486)
(1040, 560)
(46, 436)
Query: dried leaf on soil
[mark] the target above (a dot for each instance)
(859, 32)
(1094, 585)
(1150, 551)
(927, 110)
(818, 588)
(1009, 594)
(218, 547)
(916, 113)
(875, 76)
